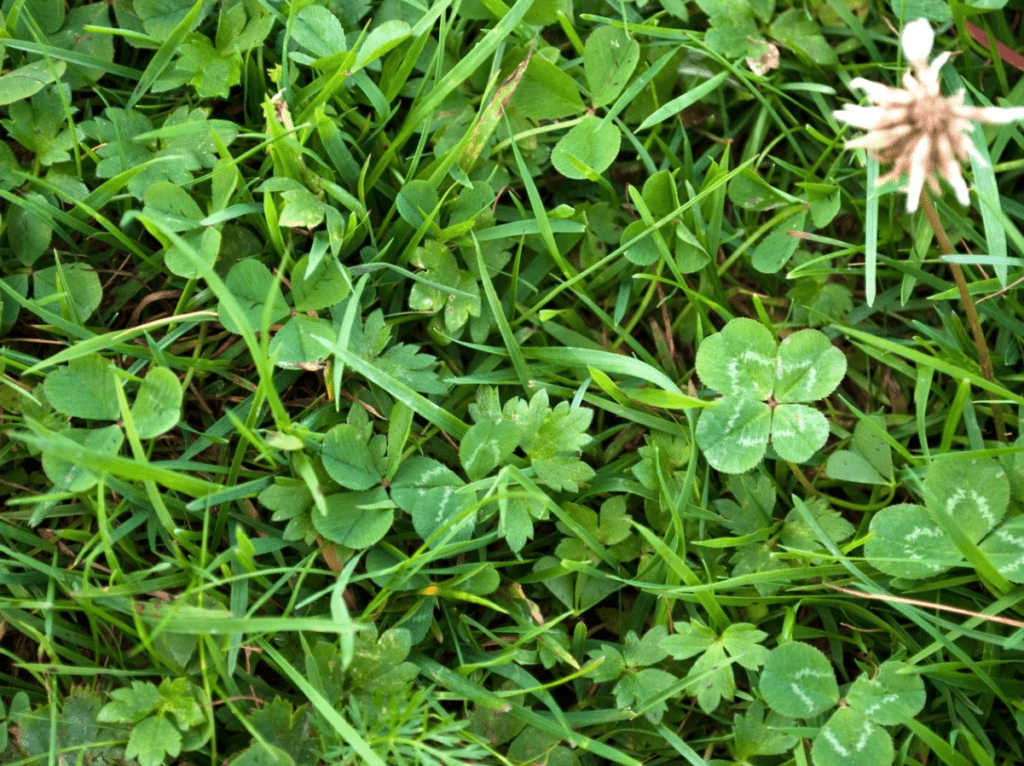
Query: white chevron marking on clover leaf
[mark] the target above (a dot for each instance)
(917, 532)
(865, 735)
(833, 740)
(804, 696)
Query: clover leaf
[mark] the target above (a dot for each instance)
(893, 696)
(799, 682)
(763, 386)
(849, 736)
(909, 540)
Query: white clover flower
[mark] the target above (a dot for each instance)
(915, 129)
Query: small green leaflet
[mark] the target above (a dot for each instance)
(157, 406)
(348, 460)
(258, 754)
(756, 735)
(798, 534)
(551, 437)
(169, 718)
(798, 682)
(588, 149)
(453, 292)
(356, 519)
(869, 459)
(908, 541)
(84, 389)
(291, 500)
(762, 384)
(74, 286)
(636, 686)
(633, 691)
(252, 285)
(25, 81)
(850, 738)
(609, 59)
(152, 740)
(77, 729)
(287, 729)
(401, 361)
(41, 127)
(70, 477)
(611, 528)
(432, 495)
(894, 696)
(752, 509)
(486, 445)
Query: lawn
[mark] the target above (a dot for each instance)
(508, 382)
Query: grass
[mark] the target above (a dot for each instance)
(361, 366)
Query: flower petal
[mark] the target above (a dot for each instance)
(975, 155)
(878, 92)
(879, 139)
(956, 180)
(917, 172)
(938, 63)
(917, 40)
(864, 117)
(995, 115)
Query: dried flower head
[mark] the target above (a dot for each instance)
(915, 129)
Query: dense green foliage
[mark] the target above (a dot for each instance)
(500, 382)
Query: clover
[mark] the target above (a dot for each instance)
(965, 499)
(763, 386)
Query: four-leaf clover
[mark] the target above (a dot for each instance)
(762, 384)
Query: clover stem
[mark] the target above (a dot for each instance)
(969, 308)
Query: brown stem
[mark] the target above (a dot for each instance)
(969, 308)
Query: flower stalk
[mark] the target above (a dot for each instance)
(984, 360)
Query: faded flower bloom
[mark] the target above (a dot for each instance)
(917, 130)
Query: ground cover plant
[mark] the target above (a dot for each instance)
(511, 382)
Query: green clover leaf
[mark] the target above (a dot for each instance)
(798, 681)
(910, 540)
(763, 386)
(849, 737)
(893, 696)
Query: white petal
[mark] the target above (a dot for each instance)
(879, 92)
(957, 182)
(917, 40)
(915, 87)
(975, 154)
(939, 62)
(917, 173)
(864, 117)
(929, 76)
(994, 115)
(879, 139)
